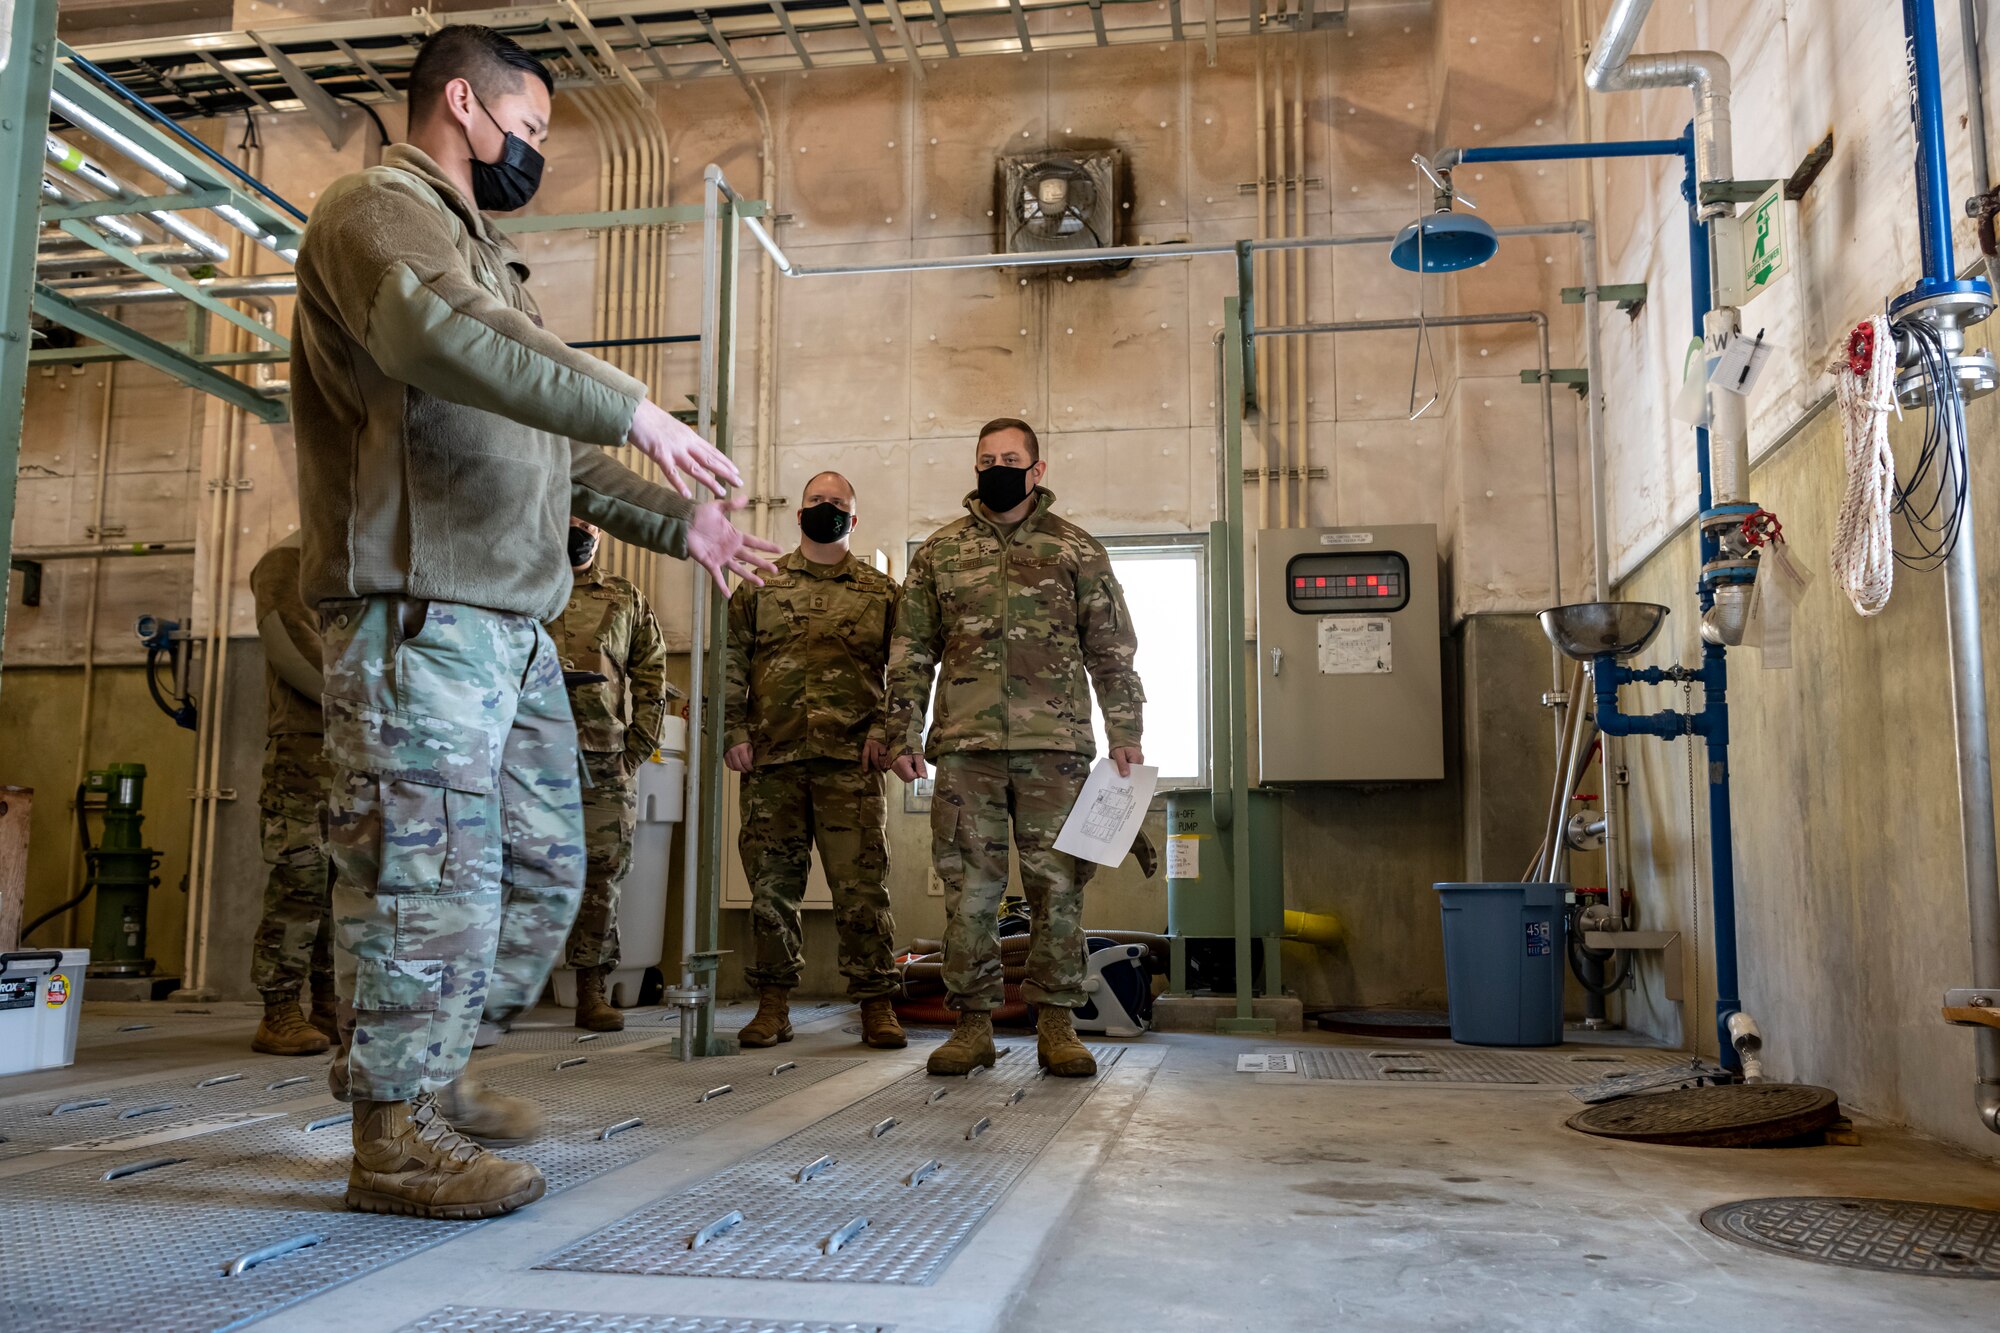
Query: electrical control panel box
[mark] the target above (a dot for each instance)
(1349, 671)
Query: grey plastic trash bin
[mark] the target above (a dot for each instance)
(1503, 962)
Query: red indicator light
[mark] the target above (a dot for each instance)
(1371, 580)
(1319, 583)
(1299, 583)
(1382, 592)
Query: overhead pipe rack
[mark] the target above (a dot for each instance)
(316, 66)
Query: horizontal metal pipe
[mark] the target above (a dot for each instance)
(1411, 322)
(80, 258)
(95, 550)
(63, 191)
(1560, 152)
(74, 161)
(152, 293)
(1614, 69)
(1113, 254)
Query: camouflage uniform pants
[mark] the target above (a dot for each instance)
(787, 808)
(610, 813)
(295, 936)
(454, 827)
(977, 793)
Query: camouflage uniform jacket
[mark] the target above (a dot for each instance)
(274, 583)
(805, 660)
(1015, 620)
(609, 629)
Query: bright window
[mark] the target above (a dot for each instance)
(1165, 590)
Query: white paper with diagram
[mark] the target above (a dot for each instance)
(1105, 819)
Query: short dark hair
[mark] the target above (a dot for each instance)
(807, 489)
(490, 61)
(998, 424)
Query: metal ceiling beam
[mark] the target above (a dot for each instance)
(867, 29)
(374, 75)
(608, 55)
(943, 26)
(1021, 24)
(895, 8)
(792, 33)
(236, 82)
(362, 57)
(169, 360)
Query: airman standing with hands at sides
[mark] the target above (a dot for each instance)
(1024, 615)
(444, 440)
(803, 711)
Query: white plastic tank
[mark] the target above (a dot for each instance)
(642, 899)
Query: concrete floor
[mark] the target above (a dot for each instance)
(1187, 1196)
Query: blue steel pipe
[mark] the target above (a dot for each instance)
(1568, 152)
(1920, 52)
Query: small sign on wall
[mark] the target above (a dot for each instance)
(1355, 646)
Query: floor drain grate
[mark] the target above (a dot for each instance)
(918, 1171)
(1555, 1069)
(156, 1241)
(1738, 1115)
(472, 1319)
(1880, 1235)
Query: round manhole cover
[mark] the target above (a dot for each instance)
(1432, 1024)
(1881, 1235)
(1738, 1115)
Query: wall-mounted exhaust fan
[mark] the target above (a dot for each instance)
(1059, 201)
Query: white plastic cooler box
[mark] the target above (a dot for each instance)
(41, 999)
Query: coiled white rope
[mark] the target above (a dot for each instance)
(1864, 547)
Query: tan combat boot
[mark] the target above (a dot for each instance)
(325, 1013)
(407, 1160)
(491, 1119)
(969, 1047)
(1056, 1046)
(773, 1022)
(594, 1010)
(285, 1031)
(880, 1027)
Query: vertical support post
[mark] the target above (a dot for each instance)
(1236, 366)
(27, 74)
(708, 927)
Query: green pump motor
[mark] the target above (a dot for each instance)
(119, 867)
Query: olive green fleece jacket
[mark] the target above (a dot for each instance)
(444, 437)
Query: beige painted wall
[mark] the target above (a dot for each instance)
(1850, 894)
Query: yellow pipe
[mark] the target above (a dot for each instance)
(1321, 929)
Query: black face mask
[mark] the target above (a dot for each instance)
(503, 186)
(582, 547)
(1003, 488)
(826, 523)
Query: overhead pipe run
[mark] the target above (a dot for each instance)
(1614, 69)
(78, 164)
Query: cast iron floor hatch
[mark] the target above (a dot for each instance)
(1740, 1115)
(79, 1251)
(1880, 1235)
(963, 1149)
(472, 1319)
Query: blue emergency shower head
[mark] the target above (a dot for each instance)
(1451, 242)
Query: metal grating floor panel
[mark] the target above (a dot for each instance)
(912, 1230)
(87, 1252)
(1429, 1065)
(30, 1126)
(1880, 1235)
(472, 1319)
